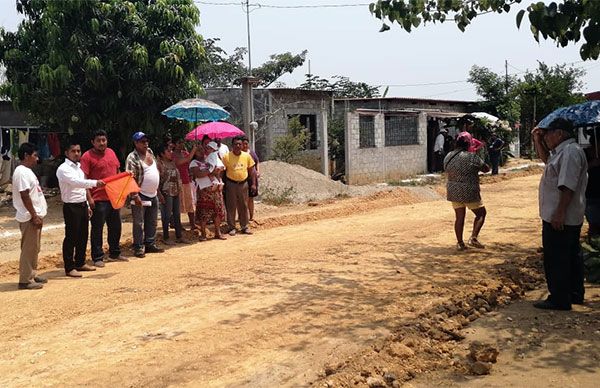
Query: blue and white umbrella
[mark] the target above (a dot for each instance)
(581, 115)
(196, 109)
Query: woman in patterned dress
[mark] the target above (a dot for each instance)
(209, 203)
(462, 188)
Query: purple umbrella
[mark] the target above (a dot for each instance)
(214, 130)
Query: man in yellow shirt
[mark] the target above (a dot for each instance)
(238, 175)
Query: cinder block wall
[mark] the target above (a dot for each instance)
(381, 163)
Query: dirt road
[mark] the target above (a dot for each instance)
(277, 308)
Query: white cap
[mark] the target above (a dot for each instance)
(213, 145)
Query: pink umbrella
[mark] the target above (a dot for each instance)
(214, 130)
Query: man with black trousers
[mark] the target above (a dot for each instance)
(562, 206)
(76, 212)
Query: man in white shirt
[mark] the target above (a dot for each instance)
(144, 209)
(438, 150)
(29, 201)
(223, 149)
(76, 212)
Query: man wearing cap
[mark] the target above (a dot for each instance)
(438, 150)
(562, 207)
(144, 207)
(238, 167)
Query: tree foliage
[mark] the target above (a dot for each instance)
(564, 22)
(83, 65)
(223, 70)
(286, 148)
(514, 100)
(342, 87)
(499, 93)
(553, 87)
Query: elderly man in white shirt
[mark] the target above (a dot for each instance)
(76, 212)
(562, 207)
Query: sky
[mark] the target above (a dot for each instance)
(345, 41)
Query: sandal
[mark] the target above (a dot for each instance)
(475, 243)
(461, 246)
(202, 238)
(220, 237)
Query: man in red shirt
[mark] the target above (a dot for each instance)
(98, 163)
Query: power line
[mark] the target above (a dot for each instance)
(428, 84)
(259, 5)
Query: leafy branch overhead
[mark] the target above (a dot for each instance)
(223, 70)
(565, 22)
(112, 64)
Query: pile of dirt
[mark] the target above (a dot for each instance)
(430, 342)
(285, 183)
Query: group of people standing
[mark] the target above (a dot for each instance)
(444, 144)
(209, 183)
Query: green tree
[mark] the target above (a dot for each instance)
(286, 148)
(564, 21)
(544, 90)
(112, 64)
(500, 94)
(223, 70)
(342, 87)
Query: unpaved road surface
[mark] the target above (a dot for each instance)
(284, 307)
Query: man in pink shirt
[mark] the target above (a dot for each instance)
(98, 163)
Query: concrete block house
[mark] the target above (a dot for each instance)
(392, 138)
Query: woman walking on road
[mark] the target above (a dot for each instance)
(462, 188)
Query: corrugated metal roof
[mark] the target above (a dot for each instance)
(406, 99)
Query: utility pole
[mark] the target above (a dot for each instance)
(506, 76)
(248, 83)
(248, 31)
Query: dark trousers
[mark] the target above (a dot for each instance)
(169, 211)
(563, 263)
(105, 213)
(144, 222)
(236, 199)
(495, 162)
(438, 161)
(76, 235)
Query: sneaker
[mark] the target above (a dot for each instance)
(246, 231)
(99, 264)
(232, 232)
(153, 249)
(139, 253)
(30, 286)
(39, 279)
(461, 246)
(475, 243)
(74, 274)
(117, 258)
(168, 241)
(183, 240)
(86, 268)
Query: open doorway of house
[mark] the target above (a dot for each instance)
(310, 123)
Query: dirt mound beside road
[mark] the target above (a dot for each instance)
(298, 184)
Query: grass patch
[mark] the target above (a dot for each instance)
(278, 197)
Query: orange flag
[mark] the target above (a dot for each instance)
(118, 187)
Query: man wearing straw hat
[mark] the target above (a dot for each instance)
(562, 206)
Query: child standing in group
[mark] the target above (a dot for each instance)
(169, 190)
